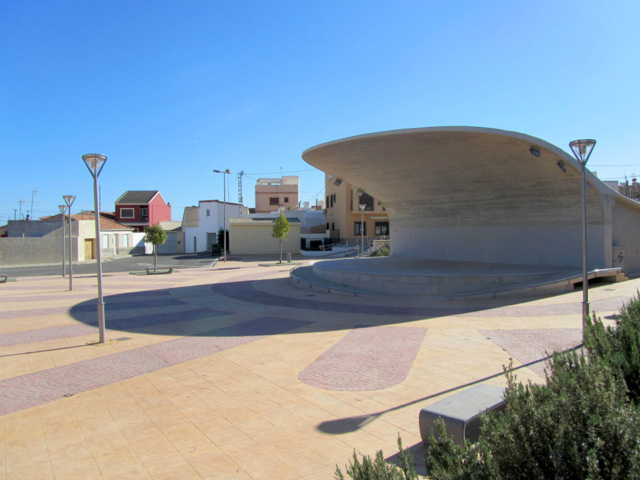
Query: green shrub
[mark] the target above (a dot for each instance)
(618, 347)
(579, 425)
(383, 251)
(582, 424)
(379, 469)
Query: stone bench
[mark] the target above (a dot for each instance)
(159, 270)
(461, 412)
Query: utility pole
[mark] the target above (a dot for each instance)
(20, 202)
(14, 213)
(32, 195)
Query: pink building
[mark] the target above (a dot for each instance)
(141, 209)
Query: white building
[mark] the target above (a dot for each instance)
(211, 218)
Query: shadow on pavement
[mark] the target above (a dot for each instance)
(170, 312)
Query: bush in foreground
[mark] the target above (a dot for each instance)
(582, 424)
(379, 469)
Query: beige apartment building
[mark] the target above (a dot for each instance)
(272, 194)
(344, 216)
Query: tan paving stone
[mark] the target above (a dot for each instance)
(242, 412)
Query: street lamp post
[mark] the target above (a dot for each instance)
(63, 209)
(224, 210)
(95, 162)
(582, 151)
(69, 199)
(362, 207)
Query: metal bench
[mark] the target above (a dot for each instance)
(461, 412)
(159, 270)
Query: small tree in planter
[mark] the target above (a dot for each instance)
(155, 235)
(280, 230)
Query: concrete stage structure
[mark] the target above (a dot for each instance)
(473, 202)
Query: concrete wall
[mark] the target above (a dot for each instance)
(34, 251)
(256, 239)
(34, 228)
(545, 245)
(626, 228)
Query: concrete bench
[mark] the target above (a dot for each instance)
(159, 270)
(461, 412)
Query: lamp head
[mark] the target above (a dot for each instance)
(94, 162)
(582, 149)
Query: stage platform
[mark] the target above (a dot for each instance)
(437, 278)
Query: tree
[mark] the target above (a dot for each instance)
(155, 235)
(280, 230)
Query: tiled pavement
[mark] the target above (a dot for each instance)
(233, 373)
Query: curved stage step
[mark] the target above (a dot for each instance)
(436, 278)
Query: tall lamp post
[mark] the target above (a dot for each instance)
(95, 162)
(63, 209)
(69, 199)
(362, 206)
(224, 210)
(582, 151)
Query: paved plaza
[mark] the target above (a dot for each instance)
(232, 372)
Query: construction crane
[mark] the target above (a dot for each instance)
(240, 187)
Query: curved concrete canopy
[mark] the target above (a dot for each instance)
(477, 194)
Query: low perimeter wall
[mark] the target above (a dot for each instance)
(33, 251)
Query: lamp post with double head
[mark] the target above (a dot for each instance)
(224, 210)
(582, 151)
(63, 209)
(95, 162)
(69, 199)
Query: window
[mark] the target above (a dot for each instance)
(286, 199)
(125, 240)
(127, 213)
(208, 212)
(105, 241)
(144, 211)
(356, 228)
(382, 228)
(274, 201)
(367, 200)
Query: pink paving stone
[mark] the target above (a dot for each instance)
(25, 391)
(530, 345)
(366, 359)
(44, 334)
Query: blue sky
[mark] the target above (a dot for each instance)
(170, 90)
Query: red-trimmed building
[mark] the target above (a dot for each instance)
(140, 209)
